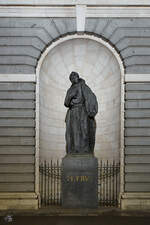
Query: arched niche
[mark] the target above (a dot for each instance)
(100, 65)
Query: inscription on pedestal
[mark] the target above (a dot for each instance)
(77, 178)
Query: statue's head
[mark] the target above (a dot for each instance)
(74, 77)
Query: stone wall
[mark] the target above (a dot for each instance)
(22, 42)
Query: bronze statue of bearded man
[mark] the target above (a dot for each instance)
(80, 117)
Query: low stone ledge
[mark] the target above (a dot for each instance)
(18, 201)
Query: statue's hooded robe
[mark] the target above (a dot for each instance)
(80, 122)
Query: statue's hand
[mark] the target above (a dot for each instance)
(74, 101)
(92, 114)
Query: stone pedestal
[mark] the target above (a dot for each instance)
(80, 181)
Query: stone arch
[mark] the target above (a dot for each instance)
(115, 58)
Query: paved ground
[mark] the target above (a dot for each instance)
(57, 216)
(78, 220)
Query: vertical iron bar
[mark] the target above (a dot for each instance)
(57, 182)
(99, 196)
(113, 183)
(104, 189)
(53, 190)
(45, 183)
(51, 184)
(42, 184)
(101, 183)
(60, 172)
(108, 200)
(41, 181)
(54, 182)
(98, 181)
(102, 179)
(116, 183)
(107, 183)
(48, 186)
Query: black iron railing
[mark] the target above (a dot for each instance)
(108, 183)
(50, 183)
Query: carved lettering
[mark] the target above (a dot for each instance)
(84, 178)
(77, 178)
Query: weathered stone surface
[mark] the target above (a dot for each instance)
(79, 181)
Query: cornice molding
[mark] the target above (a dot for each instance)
(118, 12)
(26, 11)
(75, 2)
(70, 11)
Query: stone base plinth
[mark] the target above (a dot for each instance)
(80, 181)
(135, 201)
(18, 201)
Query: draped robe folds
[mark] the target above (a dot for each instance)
(80, 122)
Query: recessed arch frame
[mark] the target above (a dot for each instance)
(122, 72)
